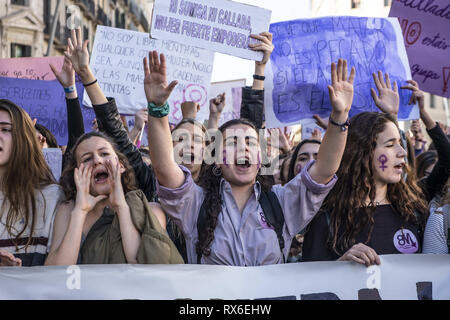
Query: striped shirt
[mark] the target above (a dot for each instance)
(434, 240)
(47, 201)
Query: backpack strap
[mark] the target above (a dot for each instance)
(201, 225)
(273, 213)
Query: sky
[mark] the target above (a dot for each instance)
(231, 68)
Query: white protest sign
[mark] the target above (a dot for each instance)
(117, 64)
(401, 276)
(53, 157)
(222, 26)
(233, 98)
(308, 127)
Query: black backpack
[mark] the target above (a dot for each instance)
(272, 213)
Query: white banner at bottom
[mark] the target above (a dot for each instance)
(404, 277)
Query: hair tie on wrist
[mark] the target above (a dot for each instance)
(158, 112)
(258, 77)
(90, 84)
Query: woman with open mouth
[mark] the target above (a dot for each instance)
(223, 217)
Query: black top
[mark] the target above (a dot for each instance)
(387, 236)
(75, 126)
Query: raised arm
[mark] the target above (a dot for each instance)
(333, 143)
(75, 124)
(157, 92)
(79, 56)
(216, 106)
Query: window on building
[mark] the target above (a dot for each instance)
(432, 101)
(20, 50)
(356, 4)
(20, 2)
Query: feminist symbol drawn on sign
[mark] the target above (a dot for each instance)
(412, 32)
(445, 77)
(195, 93)
(383, 160)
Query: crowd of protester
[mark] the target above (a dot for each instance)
(238, 194)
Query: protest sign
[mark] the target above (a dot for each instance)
(30, 68)
(233, 98)
(53, 157)
(426, 32)
(222, 26)
(308, 127)
(117, 64)
(427, 277)
(299, 72)
(45, 101)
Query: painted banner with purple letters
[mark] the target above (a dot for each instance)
(30, 68)
(45, 101)
(426, 32)
(116, 62)
(217, 25)
(299, 72)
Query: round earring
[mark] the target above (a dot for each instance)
(217, 171)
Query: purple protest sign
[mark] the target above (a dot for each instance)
(44, 100)
(426, 32)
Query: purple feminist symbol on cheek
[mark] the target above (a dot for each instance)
(383, 160)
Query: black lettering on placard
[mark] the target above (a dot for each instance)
(369, 294)
(319, 296)
(424, 290)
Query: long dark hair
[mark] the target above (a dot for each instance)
(291, 174)
(348, 197)
(67, 180)
(423, 161)
(25, 173)
(213, 199)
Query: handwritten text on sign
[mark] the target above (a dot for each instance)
(44, 100)
(117, 63)
(30, 68)
(300, 72)
(426, 31)
(223, 26)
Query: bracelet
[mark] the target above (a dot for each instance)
(70, 89)
(158, 112)
(257, 77)
(90, 84)
(344, 126)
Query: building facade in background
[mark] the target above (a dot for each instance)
(376, 8)
(25, 25)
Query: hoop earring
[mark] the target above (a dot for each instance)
(217, 171)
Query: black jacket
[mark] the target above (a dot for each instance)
(109, 118)
(252, 106)
(75, 126)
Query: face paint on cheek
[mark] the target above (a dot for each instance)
(298, 167)
(383, 159)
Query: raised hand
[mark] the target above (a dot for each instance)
(7, 259)
(284, 138)
(323, 123)
(266, 46)
(388, 99)
(417, 95)
(78, 52)
(217, 104)
(85, 202)
(316, 135)
(189, 109)
(66, 76)
(116, 197)
(341, 89)
(140, 119)
(155, 82)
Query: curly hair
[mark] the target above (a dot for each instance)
(213, 199)
(356, 182)
(67, 180)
